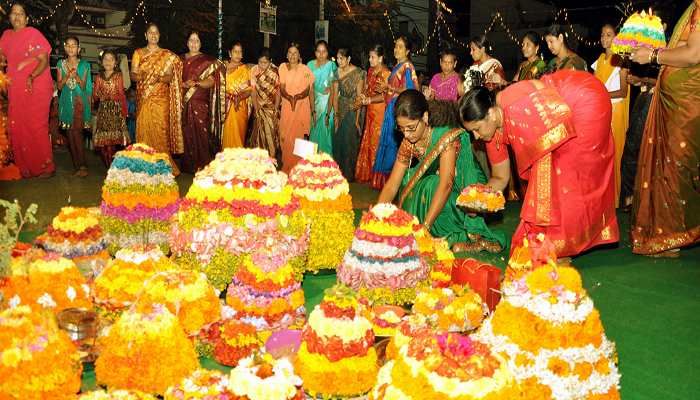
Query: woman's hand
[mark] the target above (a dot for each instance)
(641, 55)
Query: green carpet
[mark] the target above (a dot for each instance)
(650, 307)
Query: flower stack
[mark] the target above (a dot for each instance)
(47, 283)
(37, 360)
(232, 341)
(445, 366)
(481, 198)
(233, 208)
(551, 333)
(201, 384)
(639, 30)
(75, 233)
(535, 251)
(139, 197)
(436, 252)
(265, 378)
(325, 199)
(145, 350)
(384, 263)
(187, 294)
(119, 284)
(337, 357)
(118, 394)
(453, 309)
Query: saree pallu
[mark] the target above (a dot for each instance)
(111, 113)
(445, 89)
(294, 124)
(8, 170)
(609, 74)
(374, 117)
(265, 133)
(324, 77)
(531, 69)
(403, 76)
(201, 119)
(28, 112)
(559, 130)
(72, 90)
(159, 104)
(573, 62)
(420, 182)
(347, 138)
(666, 208)
(633, 141)
(236, 121)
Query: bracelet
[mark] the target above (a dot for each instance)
(657, 52)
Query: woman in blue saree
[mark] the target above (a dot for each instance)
(325, 79)
(402, 77)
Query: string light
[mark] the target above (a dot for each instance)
(581, 39)
(347, 6)
(140, 10)
(50, 14)
(388, 22)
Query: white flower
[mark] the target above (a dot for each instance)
(86, 289)
(15, 301)
(46, 301)
(70, 293)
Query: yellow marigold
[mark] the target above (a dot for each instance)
(559, 367)
(612, 394)
(583, 370)
(543, 279)
(532, 389)
(331, 236)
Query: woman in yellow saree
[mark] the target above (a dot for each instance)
(666, 208)
(609, 70)
(158, 73)
(237, 92)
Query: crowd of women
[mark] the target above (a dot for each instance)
(560, 139)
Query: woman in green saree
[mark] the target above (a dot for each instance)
(445, 165)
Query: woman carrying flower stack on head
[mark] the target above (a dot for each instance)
(237, 92)
(351, 82)
(27, 53)
(373, 98)
(534, 65)
(608, 68)
(265, 82)
(296, 88)
(445, 165)
(74, 108)
(666, 208)
(559, 130)
(564, 57)
(403, 77)
(158, 74)
(202, 77)
(325, 92)
(111, 130)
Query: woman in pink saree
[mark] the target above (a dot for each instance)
(27, 53)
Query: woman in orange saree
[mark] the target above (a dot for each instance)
(666, 207)
(608, 68)
(566, 155)
(237, 92)
(158, 73)
(296, 89)
(373, 98)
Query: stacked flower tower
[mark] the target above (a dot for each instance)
(237, 207)
(139, 197)
(551, 333)
(325, 199)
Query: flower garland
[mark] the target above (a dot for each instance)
(29, 342)
(187, 294)
(139, 197)
(49, 283)
(146, 351)
(325, 199)
(481, 198)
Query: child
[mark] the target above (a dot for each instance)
(75, 84)
(110, 129)
(446, 84)
(131, 113)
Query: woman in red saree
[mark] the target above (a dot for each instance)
(202, 76)
(566, 156)
(158, 74)
(666, 208)
(31, 88)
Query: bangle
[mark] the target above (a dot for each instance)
(656, 55)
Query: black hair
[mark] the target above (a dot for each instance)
(265, 53)
(194, 32)
(21, 4)
(556, 30)
(481, 42)
(378, 49)
(534, 37)
(116, 59)
(345, 52)
(608, 24)
(322, 42)
(152, 24)
(412, 104)
(296, 45)
(406, 42)
(236, 43)
(448, 52)
(72, 37)
(475, 104)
